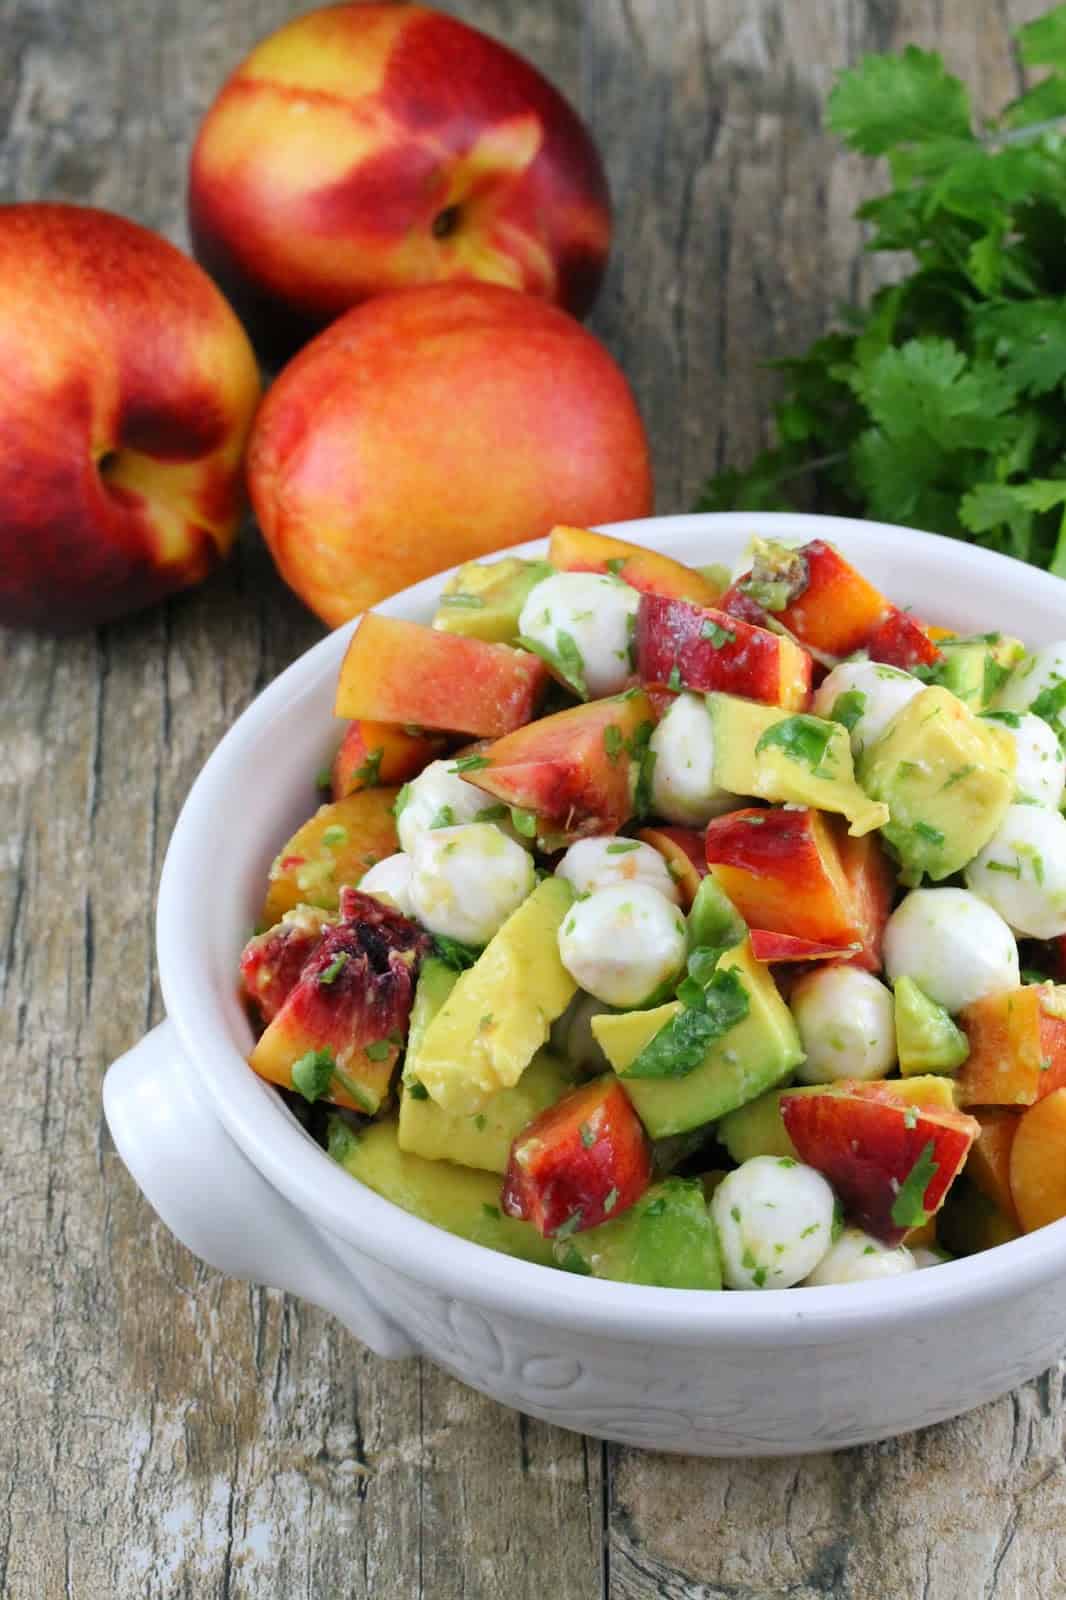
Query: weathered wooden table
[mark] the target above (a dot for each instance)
(166, 1433)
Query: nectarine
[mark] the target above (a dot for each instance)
(127, 388)
(433, 426)
(362, 148)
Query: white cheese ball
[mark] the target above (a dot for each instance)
(1040, 670)
(847, 1024)
(774, 1219)
(391, 880)
(623, 943)
(955, 947)
(683, 787)
(884, 691)
(1040, 767)
(593, 864)
(466, 881)
(1021, 871)
(437, 798)
(858, 1258)
(596, 611)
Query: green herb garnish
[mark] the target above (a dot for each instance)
(707, 1013)
(717, 635)
(444, 818)
(801, 738)
(613, 742)
(335, 968)
(416, 1090)
(453, 953)
(674, 680)
(622, 847)
(369, 773)
(848, 708)
(566, 660)
(908, 1208)
(524, 822)
(378, 1050)
(470, 764)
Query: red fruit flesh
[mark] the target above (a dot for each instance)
(271, 963)
(770, 947)
(867, 1148)
(902, 642)
(582, 1161)
(781, 870)
(680, 645)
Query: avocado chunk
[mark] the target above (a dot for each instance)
(436, 980)
(975, 669)
(926, 1038)
(947, 780)
(760, 1050)
(484, 1139)
(795, 759)
(453, 1198)
(499, 1012)
(484, 599)
(666, 1240)
(756, 1129)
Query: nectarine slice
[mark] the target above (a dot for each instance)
(581, 550)
(1017, 1049)
(682, 849)
(684, 646)
(829, 607)
(782, 871)
(401, 672)
(334, 847)
(1038, 1163)
(988, 1164)
(372, 753)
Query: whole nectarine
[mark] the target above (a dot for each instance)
(370, 147)
(432, 426)
(127, 388)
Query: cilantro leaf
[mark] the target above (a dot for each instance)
(680, 1046)
(453, 953)
(566, 660)
(312, 1074)
(802, 738)
(908, 1208)
(848, 708)
(890, 100)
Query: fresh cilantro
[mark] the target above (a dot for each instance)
(908, 1208)
(490, 1211)
(443, 818)
(801, 738)
(1009, 719)
(848, 708)
(401, 800)
(959, 774)
(588, 1136)
(910, 1117)
(313, 1073)
(758, 1277)
(335, 835)
(613, 741)
(941, 402)
(643, 758)
(566, 660)
(324, 778)
(416, 1090)
(610, 1200)
(1050, 704)
(378, 1050)
(707, 1013)
(931, 836)
(995, 676)
(524, 822)
(454, 954)
(622, 847)
(713, 920)
(341, 1140)
(471, 764)
(481, 1122)
(1012, 869)
(571, 1225)
(369, 772)
(615, 565)
(494, 813)
(717, 635)
(674, 680)
(331, 973)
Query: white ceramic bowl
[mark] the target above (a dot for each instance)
(234, 1175)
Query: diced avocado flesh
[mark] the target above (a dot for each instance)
(976, 669)
(926, 1038)
(453, 1198)
(666, 1239)
(484, 1139)
(756, 1129)
(947, 780)
(436, 980)
(752, 1056)
(498, 1014)
(484, 599)
(784, 771)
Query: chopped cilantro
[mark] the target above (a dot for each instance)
(335, 835)
(615, 564)
(622, 847)
(444, 818)
(610, 1200)
(1050, 704)
(931, 835)
(471, 764)
(1012, 869)
(494, 813)
(643, 758)
(1009, 719)
(313, 1073)
(416, 1090)
(674, 680)
(486, 1020)
(571, 1225)
(324, 778)
(681, 1045)
(401, 800)
(454, 954)
(848, 708)
(995, 676)
(369, 773)
(787, 1161)
(490, 1210)
(524, 822)
(566, 660)
(341, 1140)
(481, 1122)
(758, 1277)
(801, 738)
(379, 1050)
(908, 1208)
(717, 635)
(588, 1136)
(959, 775)
(613, 742)
(811, 1228)
(910, 1117)
(335, 968)
(734, 1212)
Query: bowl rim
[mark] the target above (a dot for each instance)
(293, 1163)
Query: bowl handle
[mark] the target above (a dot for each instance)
(215, 1201)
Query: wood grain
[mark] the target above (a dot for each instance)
(166, 1433)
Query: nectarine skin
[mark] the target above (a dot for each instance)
(363, 148)
(127, 388)
(434, 426)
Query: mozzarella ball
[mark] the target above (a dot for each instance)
(592, 864)
(858, 1258)
(1040, 767)
(847, 1024)
(466, 881)
(774, 1218)
(1040, 670)
(1021, 871)
(683, 788)
(391, 879)
(572, 1035)
(878, 691)
(597, 612)
(437, 798)
(623, 943)
(955, 947)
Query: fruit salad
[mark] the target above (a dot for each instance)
(683, 927)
